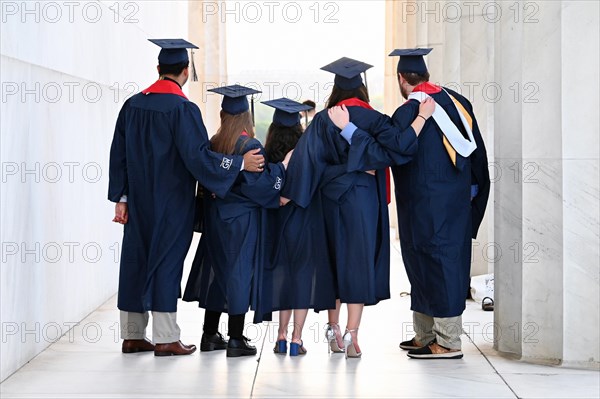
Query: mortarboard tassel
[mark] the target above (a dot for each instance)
(305, 119)
(194, 73)
(366, 85)
(252, 109)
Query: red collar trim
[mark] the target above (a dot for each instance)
(427, 88)
(244, 133)
(164, 87)
(354, 102)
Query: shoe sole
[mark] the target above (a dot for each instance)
(449, 355)
(137, 350)
(172, 354)
(409, 348)
(239, 352)
(212, 347)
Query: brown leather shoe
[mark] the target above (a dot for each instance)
(136, 345)
(174, 348)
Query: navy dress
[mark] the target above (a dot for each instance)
(299, 275)
(227, 271)
(160, 148)
(436, 215)
(326, 170)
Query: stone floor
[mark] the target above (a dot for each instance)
(87, 363)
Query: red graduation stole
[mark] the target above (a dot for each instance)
(355, 102)
(164, 87)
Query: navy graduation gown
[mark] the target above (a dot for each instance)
(159, 150)
(436, 216)
(227, 271)
(300, 275)
(354, 205)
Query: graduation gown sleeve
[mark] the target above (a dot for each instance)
(306, 165)
(480, 175)
(263, 188)
(385, 146)
(118, 182)
(216, 172)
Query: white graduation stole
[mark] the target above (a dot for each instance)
(455, 138)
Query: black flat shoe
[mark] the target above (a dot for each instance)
(211, 342)
(487, 304)
(409, 345)
(240, 347)
(426, 353)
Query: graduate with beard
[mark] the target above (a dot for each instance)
(441, 198)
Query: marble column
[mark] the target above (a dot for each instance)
(207, 31)
(530, 70)
(400, 32)
(547, 195)
(581, 203)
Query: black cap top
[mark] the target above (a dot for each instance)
(411, 60)
(347, 72)
(287, 112)
(173, 51)
(234, 98)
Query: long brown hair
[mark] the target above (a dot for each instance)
(229, 132)
(338, 94)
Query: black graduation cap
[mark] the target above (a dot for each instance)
(287, 112)
(234, 98)
(174, 51)
(411, 60)
(347, 72)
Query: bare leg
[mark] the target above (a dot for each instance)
(284, 321)
(334, 320)
(354, 315)
(299, 319)
(334, 314)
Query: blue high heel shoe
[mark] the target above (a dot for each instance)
(281, 347)
(297, 349)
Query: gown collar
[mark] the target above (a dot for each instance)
(165, 86)
(428, 88)
(354, 102)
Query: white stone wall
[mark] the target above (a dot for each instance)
(66, 68)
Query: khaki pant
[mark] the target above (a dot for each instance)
(445, 330)
(164, 326)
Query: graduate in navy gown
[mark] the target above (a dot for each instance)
(441, 198)
(159, 149)
(325, 168)
(299, 276)
(226, 274)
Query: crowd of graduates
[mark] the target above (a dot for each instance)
(299, 223)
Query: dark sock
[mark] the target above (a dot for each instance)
(236, 325)
(211, 322)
